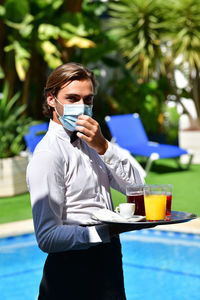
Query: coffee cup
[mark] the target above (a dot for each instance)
(125, 210)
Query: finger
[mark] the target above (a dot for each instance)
(84, 130)
(87, 118)
(92, 128)
(84, 123)
(83, 137)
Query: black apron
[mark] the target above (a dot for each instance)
(92, 274)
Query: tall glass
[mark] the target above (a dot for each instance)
(155, 200)
(135, 194)
(169, 188)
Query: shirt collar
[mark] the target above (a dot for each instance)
(59, 130)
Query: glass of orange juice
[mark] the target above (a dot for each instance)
(155, 199)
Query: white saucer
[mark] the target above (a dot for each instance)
(106, 215)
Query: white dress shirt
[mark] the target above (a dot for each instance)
(67, 183)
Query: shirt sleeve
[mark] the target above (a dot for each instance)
(45, 180)
(121, 170)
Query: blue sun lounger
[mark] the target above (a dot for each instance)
(35, 134)
(128, 132)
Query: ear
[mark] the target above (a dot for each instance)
(51, 100)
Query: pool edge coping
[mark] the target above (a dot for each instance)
(16, 228)
(26, 226)
(192, 226)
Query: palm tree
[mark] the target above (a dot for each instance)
(151, 34)
(138, 27)
(184, 34)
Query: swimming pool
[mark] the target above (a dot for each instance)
(20, 267)
(157, 265)
(161, 265)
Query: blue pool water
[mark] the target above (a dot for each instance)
(157, 265)
(161, 265)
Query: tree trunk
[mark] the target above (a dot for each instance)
(185, 110)
(196, 94)
(34, 86)
(7, 60)
(10, 72)
(73, 5)
(2, 42)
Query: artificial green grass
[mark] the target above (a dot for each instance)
(186, 192)
(15, 208)
(186, 185)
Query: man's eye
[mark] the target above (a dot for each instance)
(72, 99)
(89, 100)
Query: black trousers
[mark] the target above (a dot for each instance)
(92, 274)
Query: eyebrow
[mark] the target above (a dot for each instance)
(77, 95)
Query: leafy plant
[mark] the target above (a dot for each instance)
(159, 37)
(38, 35)
(171, 122)
(138, 27)
(130, 95)
(13, 124)
(185, 45)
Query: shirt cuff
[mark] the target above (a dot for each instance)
(99, 234)
(109, 157)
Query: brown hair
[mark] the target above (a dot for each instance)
(61, 75)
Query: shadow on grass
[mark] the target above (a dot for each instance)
(166, 166)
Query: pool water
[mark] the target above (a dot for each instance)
(157, 265)
(161, 265)
(21, 263)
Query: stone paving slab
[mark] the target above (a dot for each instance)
(23, 227)
(192, 226)
(16, 228)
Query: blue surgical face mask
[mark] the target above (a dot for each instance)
(71, 113)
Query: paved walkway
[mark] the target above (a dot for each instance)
(187, 227)
(22, 227)
(16, 228)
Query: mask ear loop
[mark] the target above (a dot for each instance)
(55, 106)
(58, 100)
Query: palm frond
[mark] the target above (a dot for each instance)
(138, 26)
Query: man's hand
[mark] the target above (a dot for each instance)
(90, 132)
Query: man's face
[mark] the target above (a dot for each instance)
(75, 92)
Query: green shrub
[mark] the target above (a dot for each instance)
(14, 124)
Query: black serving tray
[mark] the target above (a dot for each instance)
(176, 217)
